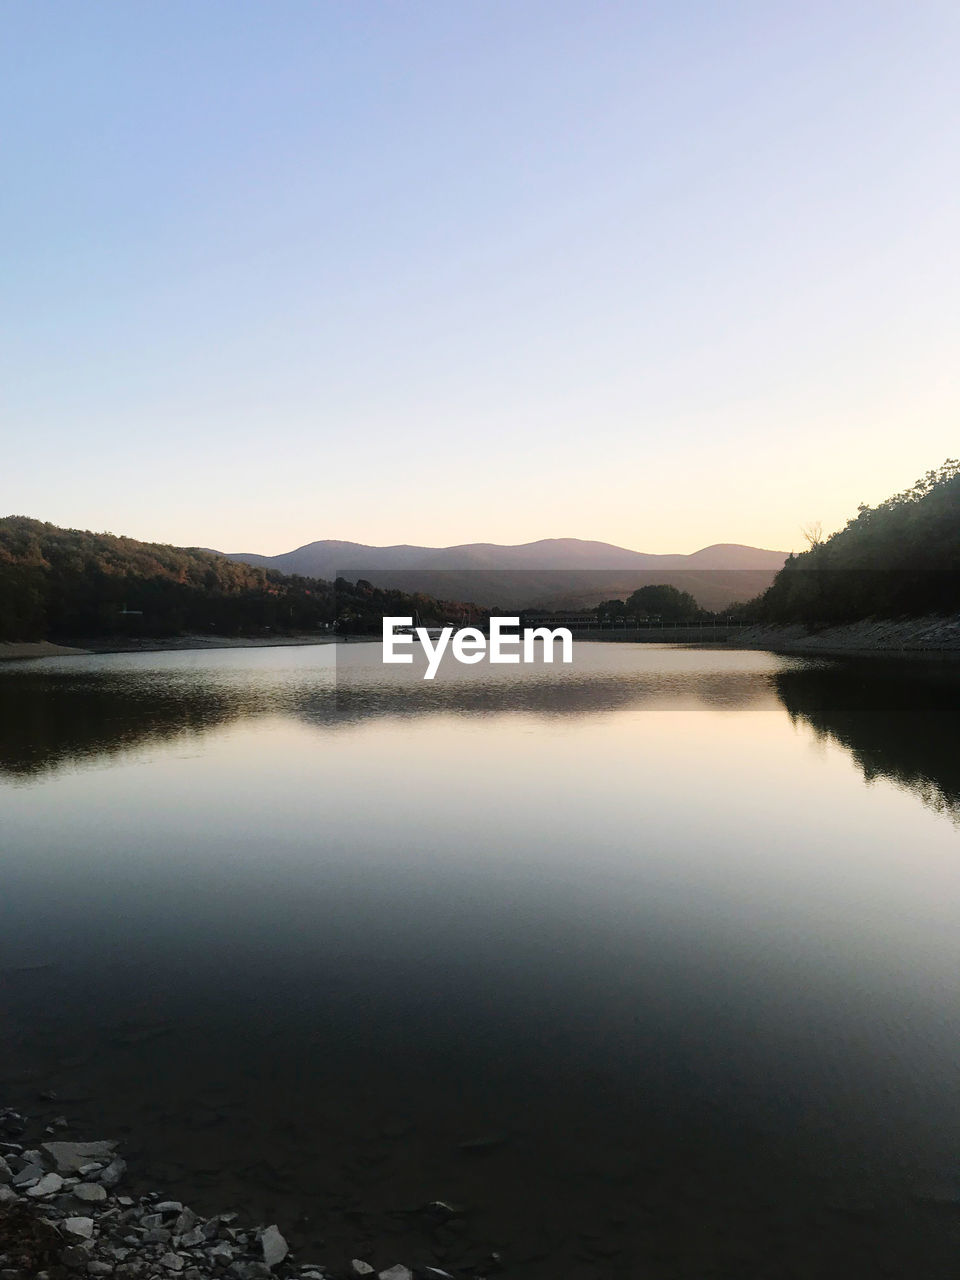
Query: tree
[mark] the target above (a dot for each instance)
(663, 601)
(813, 533)
(611, 609)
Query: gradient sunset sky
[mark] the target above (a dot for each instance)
(440, 271)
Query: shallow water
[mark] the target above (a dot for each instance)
(668, 939)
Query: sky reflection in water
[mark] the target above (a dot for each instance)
(679, 925)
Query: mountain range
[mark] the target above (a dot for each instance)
(551, 573)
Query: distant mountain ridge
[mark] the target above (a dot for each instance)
(327, 558)
(558, 572)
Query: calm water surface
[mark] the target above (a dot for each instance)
(649, 964)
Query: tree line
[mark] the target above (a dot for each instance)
(898, 559)
(68, 584)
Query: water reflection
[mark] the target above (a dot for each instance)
(50, 721)
(690, 981)
(899, 721)
(55, 716)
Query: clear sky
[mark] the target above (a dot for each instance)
(436, 271)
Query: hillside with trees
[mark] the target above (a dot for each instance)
(68, 584)
(898, 559)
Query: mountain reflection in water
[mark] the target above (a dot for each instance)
(898, 719)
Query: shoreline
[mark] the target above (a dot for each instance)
(926, 637)
(26, 650)
(63, 1214)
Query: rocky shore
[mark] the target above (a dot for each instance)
(64, 1216)
(929, 635)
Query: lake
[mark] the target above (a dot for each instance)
(647, 965)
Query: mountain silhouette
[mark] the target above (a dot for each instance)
(550, 573)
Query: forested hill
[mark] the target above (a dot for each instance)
(62, 584)
(898, 559)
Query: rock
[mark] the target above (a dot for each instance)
(48, 1185)
(97, 1268)
(86, 1169)
(222, 1254)
(185, 1222)
(8, 1195)
(69, 1157)
(397, 1272)
(6, 1173)
(274, 1247)
(172, 1262)
(74, 1257)
(166, 1206)
(28, 1175)
(360, 1268)
(81, 1227)
(89, 1191)
(190, 1239)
